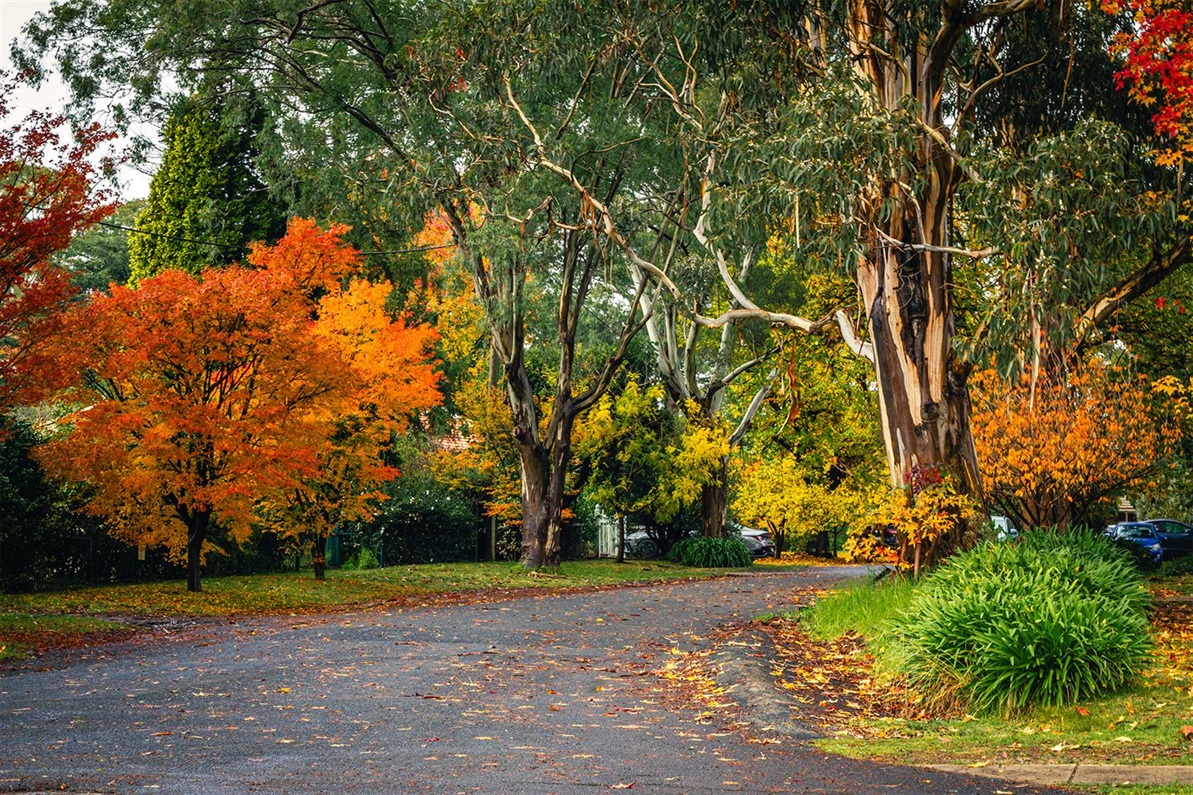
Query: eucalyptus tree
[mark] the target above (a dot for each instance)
(972, 169)
(970, 166)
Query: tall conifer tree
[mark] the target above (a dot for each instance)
(206, 201)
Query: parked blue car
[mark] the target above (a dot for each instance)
(1175, 538)
(1142, 537)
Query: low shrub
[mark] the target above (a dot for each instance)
(364, 559)
(1177, 567)
(1054, 619)
(711, 553)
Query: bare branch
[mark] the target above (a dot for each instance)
(743, 368)
(1005, 8)
(993, 81)
(774, 318)
(1145, 278)
(747, 419)
(606, 225)
(960, 252)
(849, 334)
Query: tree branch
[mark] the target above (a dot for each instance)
(747, 419)
(1136, 284)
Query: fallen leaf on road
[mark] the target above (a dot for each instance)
(624, 785)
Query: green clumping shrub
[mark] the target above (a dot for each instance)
(364, 559)
(1051, 620)
(1177, 567)
(367, 560)
(711, 553)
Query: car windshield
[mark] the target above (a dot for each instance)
(1136, 531)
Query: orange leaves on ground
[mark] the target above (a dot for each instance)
(1172, 629)
(1052, 453)
(832, 680)
(201, 398)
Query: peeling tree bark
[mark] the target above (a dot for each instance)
(904, 279)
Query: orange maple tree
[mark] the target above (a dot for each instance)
(201, 400)
(1049, 456)
(46, 195)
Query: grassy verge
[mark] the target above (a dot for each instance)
(298, 592)
(55, 613)
(1144, 724)
(860, 608)
(20, 632)
(1141, 789)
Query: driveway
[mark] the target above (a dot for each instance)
(543, 694)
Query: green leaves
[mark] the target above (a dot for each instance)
(1053, 619)
(206, 202)
(712, 553)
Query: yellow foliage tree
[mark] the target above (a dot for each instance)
(645, 460)
(775, 493)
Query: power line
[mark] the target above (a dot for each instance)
(176, 239)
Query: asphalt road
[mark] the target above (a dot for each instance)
(545, 694)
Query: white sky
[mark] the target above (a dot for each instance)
(52, 95)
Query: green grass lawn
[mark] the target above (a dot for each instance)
(1138, 789)
(27, 614)
(299, 592)
(1141, 725)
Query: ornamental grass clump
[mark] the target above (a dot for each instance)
(711, 553)
(1054, 619)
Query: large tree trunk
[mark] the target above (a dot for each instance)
(319, 556)
(534, 471)
(561, 454)
(543, 472)
(714, 502)
(905, 277)
(922, 394)
(196, 535)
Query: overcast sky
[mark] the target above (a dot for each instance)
(51, 96)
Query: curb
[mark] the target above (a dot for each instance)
(1158, 775)
(744, 671)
